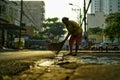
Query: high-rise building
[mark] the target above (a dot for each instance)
(111, 6)
(96, 6)
(106, 6)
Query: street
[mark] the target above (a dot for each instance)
(41, 65)
(20, 54)
(26, 53)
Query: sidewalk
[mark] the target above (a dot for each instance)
(22, 54)
(8, 50)
(80, 51)
(25, 53)
(97, 51)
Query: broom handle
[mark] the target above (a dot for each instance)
(66, 37)
(63, 43)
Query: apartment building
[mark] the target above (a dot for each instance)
(33, 13)
(111, 6)
(96, 6)
(106, 6)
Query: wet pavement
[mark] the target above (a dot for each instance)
(21, 54)
(42, 65)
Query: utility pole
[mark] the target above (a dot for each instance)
(84, 15)
(80, 16)
(85, 23)
(86, 10)
(20, 23)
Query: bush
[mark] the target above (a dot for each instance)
(19, 45)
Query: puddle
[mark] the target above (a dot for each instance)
(99, 60)
(46, 63)
(83, 59)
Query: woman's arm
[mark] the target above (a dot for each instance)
(66, 37)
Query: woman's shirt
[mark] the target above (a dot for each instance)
(74, 28)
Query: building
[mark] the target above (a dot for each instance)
(96, 6)
(96, 20)
(106, 6)
(8, 30)
(111, 6)
(99, 10)
(33, 13)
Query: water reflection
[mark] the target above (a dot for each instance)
(82, 60)
(100, 60)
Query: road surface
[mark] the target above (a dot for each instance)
(20, 54)
(24, 54)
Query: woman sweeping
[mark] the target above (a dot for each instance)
(75, 33)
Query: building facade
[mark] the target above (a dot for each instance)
(10, 19)
(96, 20)
(99, 11)
(96, 6)
(106, 6)
(111, 6)
(7, 26)
(33, 13)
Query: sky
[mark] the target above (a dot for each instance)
(61, 8)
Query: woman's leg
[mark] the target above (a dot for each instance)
(71, 43)
(78, 41)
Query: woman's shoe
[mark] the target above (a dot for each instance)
(69, 53)
(74, 54)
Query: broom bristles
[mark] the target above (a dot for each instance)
(55, 46)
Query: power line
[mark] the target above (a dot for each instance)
(32, 20)
(29, 18)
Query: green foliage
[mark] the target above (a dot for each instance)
(95, 30)
(19, 45)
(112, 29)
(52, 29)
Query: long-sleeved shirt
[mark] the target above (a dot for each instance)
(74, 28)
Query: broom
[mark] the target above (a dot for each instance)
(56, 47)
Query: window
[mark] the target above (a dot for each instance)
(119, 9)
(0, 9)
(110, 10)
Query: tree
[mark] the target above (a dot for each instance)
(53, 29)
(95, 30)
(109, 33)
(112, 29)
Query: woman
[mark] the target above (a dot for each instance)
(75, 33)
